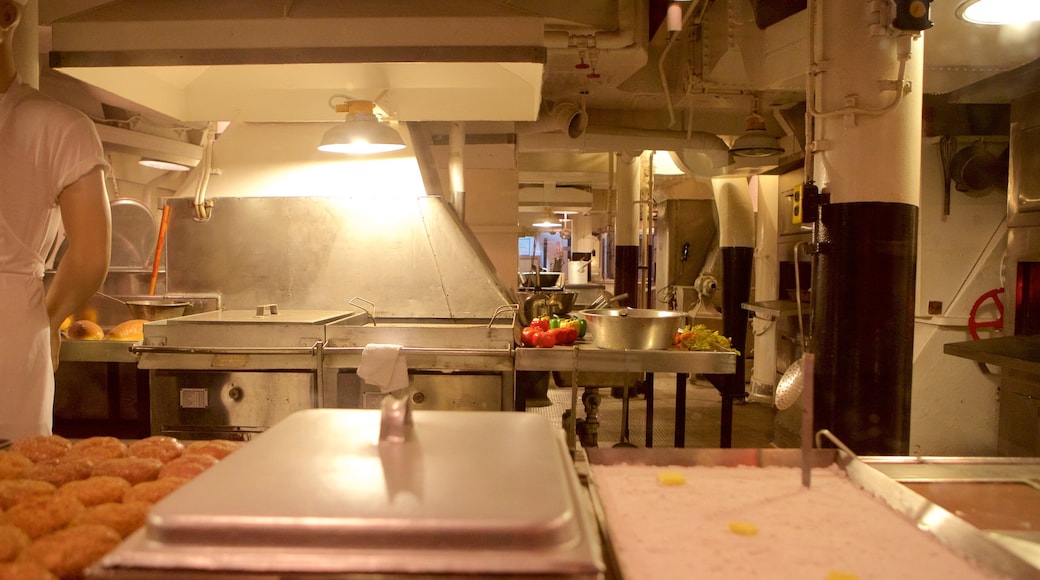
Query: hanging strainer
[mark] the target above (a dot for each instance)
(790, 386)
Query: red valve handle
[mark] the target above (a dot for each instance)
(998, 323)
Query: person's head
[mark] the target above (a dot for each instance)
(10, 15)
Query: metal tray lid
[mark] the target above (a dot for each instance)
(265, 314)
(465, 492)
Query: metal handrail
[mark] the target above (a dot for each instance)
(157, 349)
(428, 351)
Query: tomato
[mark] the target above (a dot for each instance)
(569, 335)
(544, 340)
(527, 335)
(540, 323)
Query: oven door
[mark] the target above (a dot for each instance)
(195, 404)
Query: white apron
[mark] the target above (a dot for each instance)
(26, 373)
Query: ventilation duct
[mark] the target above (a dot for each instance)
(703, 153)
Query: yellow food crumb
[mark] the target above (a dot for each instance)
(839, 575)
(743, 528)
(671, 478)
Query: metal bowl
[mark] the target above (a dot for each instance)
(633, 328)
(540, 279)
(156, 309)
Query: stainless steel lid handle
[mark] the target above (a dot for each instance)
(396, 418)
(265, 309)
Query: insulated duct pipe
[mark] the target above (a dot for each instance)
(737, 245)
(626, 239)
(609, 139)
(568, 118)
(456, 146)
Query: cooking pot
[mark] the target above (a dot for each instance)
(975, 168)
(633, 328)
(539, 279)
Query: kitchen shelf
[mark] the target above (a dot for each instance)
(1011, 352)
(587, 358)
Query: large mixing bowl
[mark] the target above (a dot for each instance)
(633, 328)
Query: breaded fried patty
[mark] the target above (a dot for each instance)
(187, 466)
(68, 552)
(219, 448)
(42, 447)
(60, 471)
(121, 517)
(43, 514)
(98, 449)
(12, 540)
(25, 570)
(132, 469)
(96, 490)
(13, 464)
(160, 447)
(14, 490)
(153, 491)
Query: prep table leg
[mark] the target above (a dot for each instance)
(680, 409)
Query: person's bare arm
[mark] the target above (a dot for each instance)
(87, 219)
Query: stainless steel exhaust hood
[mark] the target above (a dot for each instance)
(279, 60)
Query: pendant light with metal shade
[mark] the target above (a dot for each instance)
(548, 220)
(361, 132)
(754, 141)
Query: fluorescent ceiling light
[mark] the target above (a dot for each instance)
(999, 12)
(361, 132)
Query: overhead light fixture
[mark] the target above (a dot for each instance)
(361, 133)
(163, 165)
(755, 142)
(547, 220)
(999, 12)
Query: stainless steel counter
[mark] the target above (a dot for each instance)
(1013, 352)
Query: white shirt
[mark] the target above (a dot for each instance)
(44, 147)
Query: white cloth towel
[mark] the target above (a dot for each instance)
(384, 365)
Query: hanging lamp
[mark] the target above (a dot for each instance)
(361, 132)
(548, 220)
(755, 142)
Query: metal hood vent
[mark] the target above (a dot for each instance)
(279, 60)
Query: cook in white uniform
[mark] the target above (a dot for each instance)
(51, 167)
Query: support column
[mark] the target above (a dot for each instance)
(867, 112)
(626, 245)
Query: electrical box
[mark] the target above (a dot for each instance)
(805, 203)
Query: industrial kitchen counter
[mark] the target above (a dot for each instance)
(587, 358)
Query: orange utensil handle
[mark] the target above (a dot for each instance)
(159, 247)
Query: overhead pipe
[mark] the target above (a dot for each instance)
(568, 118)
(456, 146)
(598, 139)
